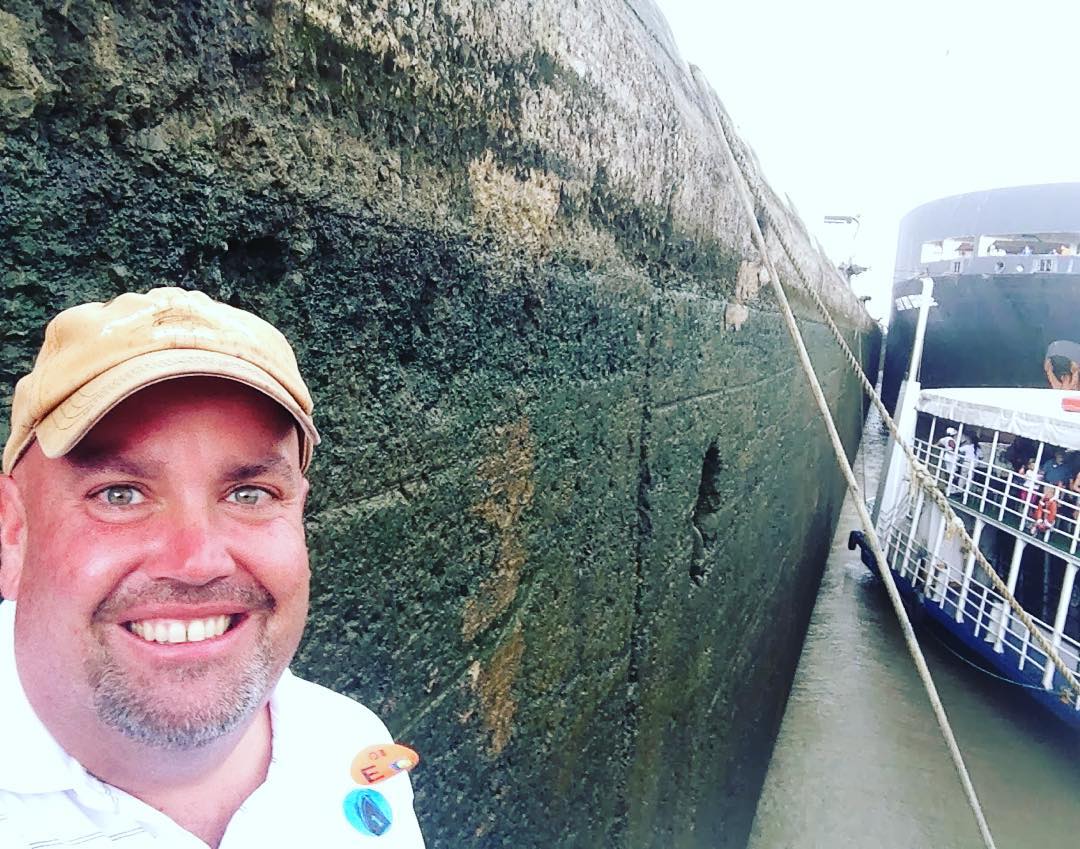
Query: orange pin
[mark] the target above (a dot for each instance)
(380, 762)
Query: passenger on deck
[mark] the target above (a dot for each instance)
(947, 456)
(1045, 511)
(968, 453)
(1071, 510)
(1025, 492)
(1056, 470)
(1062, 364)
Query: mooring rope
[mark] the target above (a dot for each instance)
(741, 183)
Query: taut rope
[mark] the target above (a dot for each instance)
(853, 486)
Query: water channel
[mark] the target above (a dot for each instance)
(860, 761)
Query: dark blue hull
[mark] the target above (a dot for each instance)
(1007, 663)
(983, 331)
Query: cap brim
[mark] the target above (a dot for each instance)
(62, 429)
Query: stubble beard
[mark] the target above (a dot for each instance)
(132, 707)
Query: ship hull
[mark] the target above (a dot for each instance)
(1004, 664)
(984, 330)
(559, 406)
(970, 635)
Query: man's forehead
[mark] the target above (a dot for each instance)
(130, 461)
(166, 410)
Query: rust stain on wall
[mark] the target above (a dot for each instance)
(493, 684)
(509, 473)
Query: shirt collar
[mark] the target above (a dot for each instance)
(283, 703)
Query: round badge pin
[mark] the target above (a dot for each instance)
(382, 761)
(368, 812)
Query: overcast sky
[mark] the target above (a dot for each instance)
(872, 107)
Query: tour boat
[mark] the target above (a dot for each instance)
(985, 448)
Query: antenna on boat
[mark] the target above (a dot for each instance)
(849, 268)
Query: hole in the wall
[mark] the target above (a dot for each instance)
(709, 501)
(262, 258)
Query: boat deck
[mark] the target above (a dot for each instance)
(959, 596)
(976, 613)
(1005, 499)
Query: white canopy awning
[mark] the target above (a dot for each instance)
(1034, 413)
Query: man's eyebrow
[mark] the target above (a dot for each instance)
(276, 464)
(104, 461)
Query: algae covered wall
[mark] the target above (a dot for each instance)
(573, 499)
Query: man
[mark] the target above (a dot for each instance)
(1056, 471)
(968, 453)
(1062, 365)
(947, 457)
(156, 575)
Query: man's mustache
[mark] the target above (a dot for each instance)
(245, 595)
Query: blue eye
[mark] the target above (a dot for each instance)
(249, 495)
(120, 495)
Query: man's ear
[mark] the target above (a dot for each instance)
(12, 537)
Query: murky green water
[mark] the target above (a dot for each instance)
(860, 762)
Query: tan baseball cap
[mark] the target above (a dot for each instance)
(95, 355)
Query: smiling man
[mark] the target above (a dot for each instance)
(156, 575)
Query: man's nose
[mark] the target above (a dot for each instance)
(193, 551)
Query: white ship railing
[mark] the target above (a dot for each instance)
(997, 492)
(979, 608)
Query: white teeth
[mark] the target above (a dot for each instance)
(180, 631)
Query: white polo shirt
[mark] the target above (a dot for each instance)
(48, 800)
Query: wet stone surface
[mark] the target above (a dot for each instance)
(505, 245)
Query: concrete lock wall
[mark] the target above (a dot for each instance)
(573, 501)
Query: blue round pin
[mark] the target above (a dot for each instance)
(368, 812)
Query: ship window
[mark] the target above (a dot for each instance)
(947, 250)
(1046, 265)
(956, 267)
